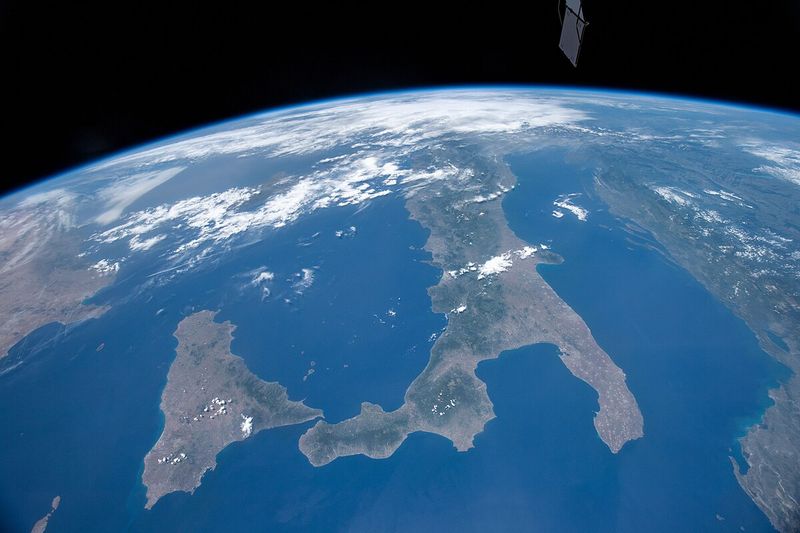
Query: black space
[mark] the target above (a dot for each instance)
(81, 82)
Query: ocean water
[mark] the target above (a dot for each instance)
(78, 422)
(697, 371)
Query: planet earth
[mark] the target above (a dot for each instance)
(480, 308)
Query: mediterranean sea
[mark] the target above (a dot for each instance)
(359, 316)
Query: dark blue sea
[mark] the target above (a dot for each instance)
(78, 422)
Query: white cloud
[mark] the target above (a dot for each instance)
(216, 218)
(725, 195)
(306, 279)
(788, 174)
(246, 426)
(483, 198)
(786, 160)
(378, 132)
(565, 202)
(33, 225)
(392, 120)
(673, 195)
(123, 192)
(59, 197)
(138, 244)
(495, 265)
(212, 217)
(104, 266)
(263, 277)
(525, 252)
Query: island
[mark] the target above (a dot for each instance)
(41, 525)
(494, 300)
(211, 400)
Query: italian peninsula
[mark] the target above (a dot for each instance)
(495, 300)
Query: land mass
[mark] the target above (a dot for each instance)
(753, 274)
(495, 300)
(211, 400)
(41, 525)
(43, 277)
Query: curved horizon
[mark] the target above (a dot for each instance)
(191, 131)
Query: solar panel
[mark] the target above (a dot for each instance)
(572, 31)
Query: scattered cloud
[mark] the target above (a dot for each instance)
(138, 244)
(216, 218)
(495, 265)
(391, 120)
(565, 202)
(305, 278)
(263, 277)
(104, 266)
(785, 160)
(674, 195)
